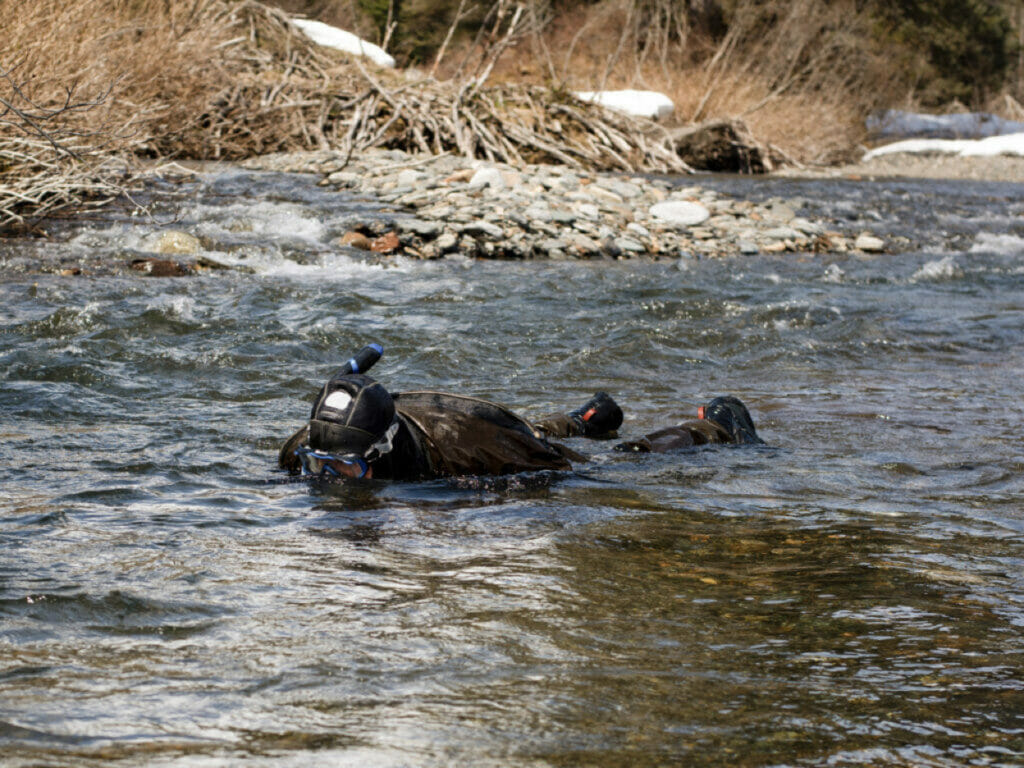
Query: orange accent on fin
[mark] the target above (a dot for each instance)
(586, 416)
(700, 412)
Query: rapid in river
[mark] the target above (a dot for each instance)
(852, 593)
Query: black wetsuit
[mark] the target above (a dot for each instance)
(447, 435)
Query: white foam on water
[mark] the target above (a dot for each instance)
(833, 274)
(105, 238)
(328, 266)
(1005, 245)
(944, 269)
(177, 307)
(262, 220)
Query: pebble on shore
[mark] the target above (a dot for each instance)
(446, 204)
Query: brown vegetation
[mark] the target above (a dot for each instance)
(82, 81)
(226, 79)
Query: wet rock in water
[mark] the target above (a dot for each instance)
(175, 242)
(355, 240)
(869, 243)
(386, 243)
(160, 268)
(205, 262)
(680, 213)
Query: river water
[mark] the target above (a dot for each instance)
(851, 594)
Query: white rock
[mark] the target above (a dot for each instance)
(174, 242)
(639, 103)
(487, 177)
(409, 177)
(340, 40)
(869, 243)
(680, 213)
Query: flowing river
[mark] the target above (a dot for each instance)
(850, 594)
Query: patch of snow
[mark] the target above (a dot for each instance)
(637, 103)
(340, 40)
(1011, 144)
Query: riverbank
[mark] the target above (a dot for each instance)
(446, 205)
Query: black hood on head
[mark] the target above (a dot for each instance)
(350, 414)
(731, 415)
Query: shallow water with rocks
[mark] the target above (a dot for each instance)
(850, 594)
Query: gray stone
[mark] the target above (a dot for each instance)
(781, 233)
(638, 229)
(680, 213)
(538, 212)
(344, 179)
(446, 242)
(483, 228)
(420, 227)
(622, 189)
(747, 247)
(562, 217)
(781, 212)
(602, 194)
(807, 227)
(584, 245)
(630, 245)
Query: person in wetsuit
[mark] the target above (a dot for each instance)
(358, 429)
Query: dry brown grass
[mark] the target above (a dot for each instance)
(801, 74)
(226, 79)
(163, 78)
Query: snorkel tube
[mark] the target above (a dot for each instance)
(361, 361)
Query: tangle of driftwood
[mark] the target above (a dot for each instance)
(261, 86)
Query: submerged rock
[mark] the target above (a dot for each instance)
(175, 241)
(160, 268)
